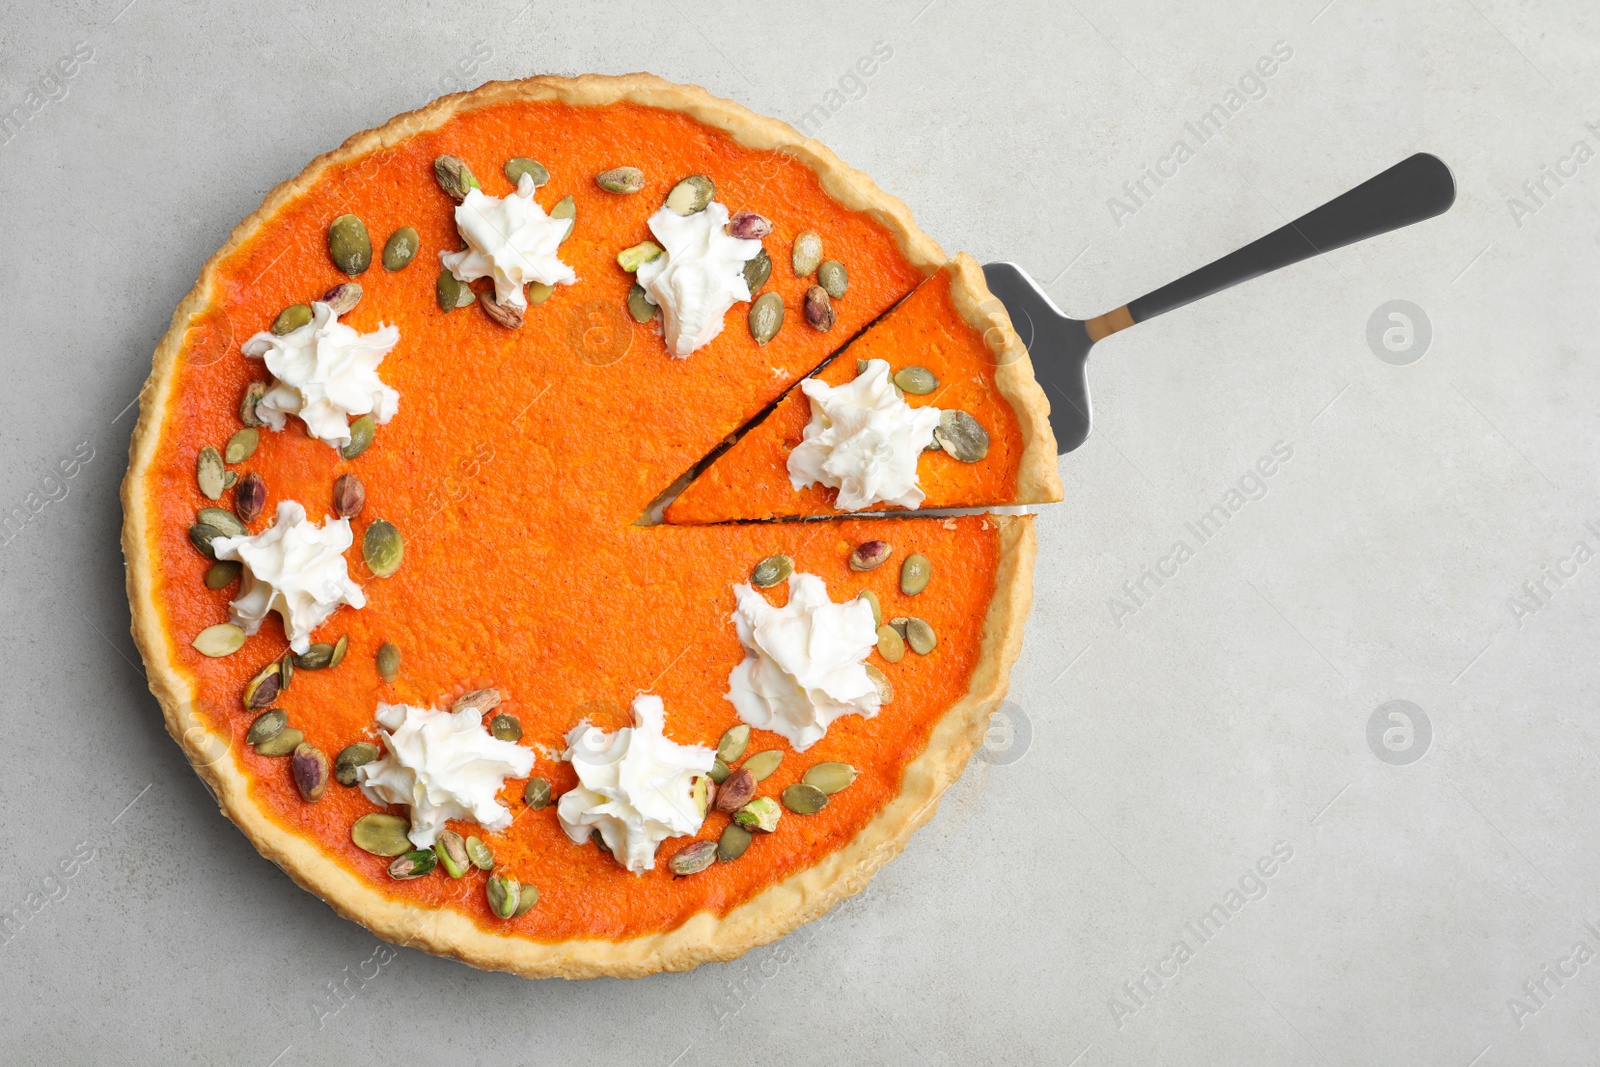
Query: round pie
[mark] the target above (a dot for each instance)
(394, 541)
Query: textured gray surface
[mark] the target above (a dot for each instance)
(1159, 751)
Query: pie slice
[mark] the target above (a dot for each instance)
(953, 340)
(385, 573)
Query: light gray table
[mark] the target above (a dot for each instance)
(1155, 757)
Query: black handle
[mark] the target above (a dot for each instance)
(1410, 191)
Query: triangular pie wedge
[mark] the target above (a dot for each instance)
(950, 325)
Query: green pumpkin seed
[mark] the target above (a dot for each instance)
(861, 367)
(340, 647)
(537, 293)
(920, 636)
(832, 276)
(881, 680)
(223, 639)
(247, 403)
(831, 778)
(691, 195)
(733, 744)
(316, 658)
(349, 246)
(382, 547)
(624, 180)
(807, 253)
(222, 574)
(694, 858)
(761, 814)
(401, 248)
(381, 834)
(242, 445)
(362, 431)
(352, 758)
(804, 799)
(285, 671)
(389, 661)
(447, 290)
(566, 208)
(914, 574)
(891, 646)
(631, 259)
(201, 535)
(503, 894)
(536, 794)
(208, 471)
(763, 764)
(639, 305)
(267, 725)
(505, 727)
(479, 853)
(719, 772)
(263, 689)
(962, 436)
(291, 319)
(451, 852)
(918, 381)
(899, 624)
(516, 168)
(229, 478)
(734, 840)
(770, 571)
(526, 900)
(282, 743)
(415, 864)
(466, 296)
(757, 270)
(454, 177)
(223, 520)
(870, 554)
(766, 317)
(877, 609)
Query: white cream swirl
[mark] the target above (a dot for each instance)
(511, 240)
(700, 277)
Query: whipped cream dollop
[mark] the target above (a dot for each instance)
(635, 786)
(700, 277)
(445, 765)
(293, 567)
(805, 663)
(863, 440)
(511, 240)
(325, 372)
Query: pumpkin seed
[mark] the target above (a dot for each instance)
(804, 799)
(362, 431)
(382, 547)
(763, 763)
(537, 293)
(766, 317)
(466, 296)
(308, 765)
(223, 639)
(770, 571)
(962, 436)
(600, 844)
(381, 834)
(285, 671)
(267, 725)
(734, 840)
(447, 290)
(881, 680)
(263, 689)
(516, 168)
(761, 814)
(693, 859)
(819, 309)
(226, 522)
(624, 180)
(352, 758)
(201, 535)
(807, 253)
(748, 226)
(757, 270)
(401, 248)
(914, 574)
(566, 208)
(242, 445)
(503, 894)
(349, 246)
(861, 367)
(229, 478)
(505, 727)
(454, 177)
(479, 853)
(247, 403)
(349, 496)
(343, 297)
(691, 195)
(870, 554)
(316, 658)
(918, 381)
(250, 497)
(413, 864)
(733, 743)
(832, 276)
(891, 646)
(340, 647)
(719, 772)
(222, 574)
(877, 609)
(282, 744)
(631, 259)
(639, 305)
(831, 778)
(291, 319)
(737, 791)
(536, 794)
(452, 853)
(208, 472)
(482, 701)
(526, 900)
(899, 624)
(389, 661)
(920, 636)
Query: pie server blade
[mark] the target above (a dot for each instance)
(1412, 190)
